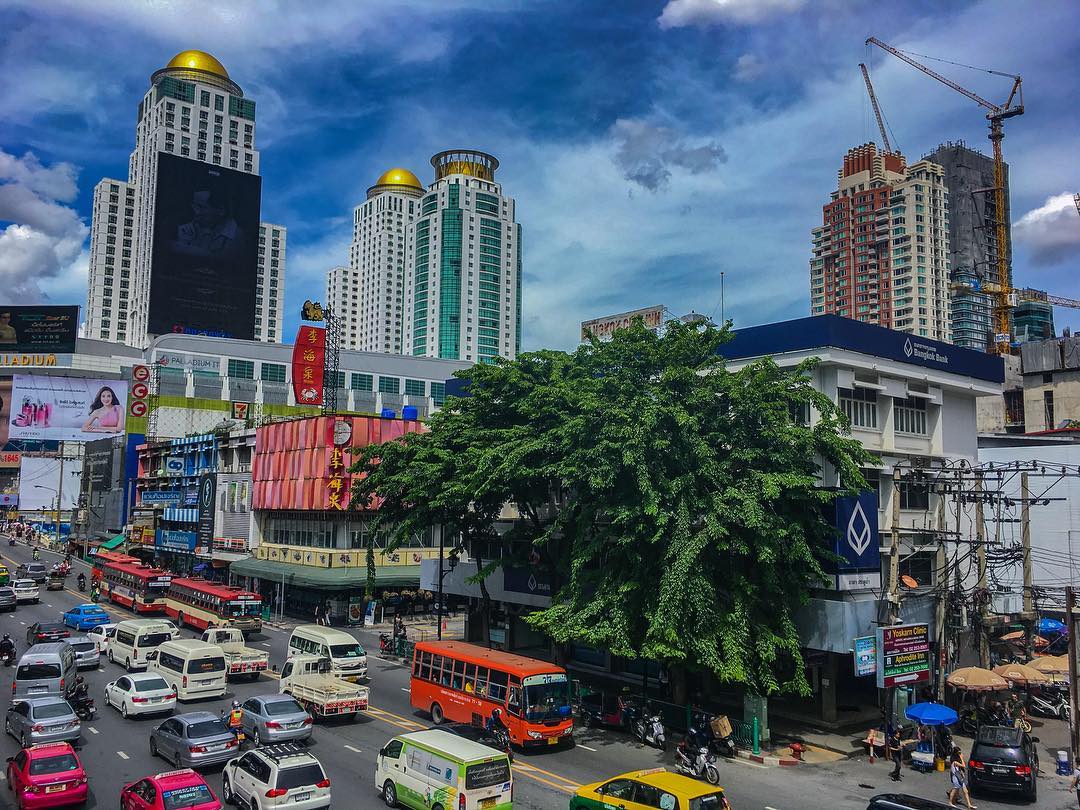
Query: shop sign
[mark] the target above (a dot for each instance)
(10, 460)
(865, 654)
(903, 655)
(170, 540)
(240, 410)
(168, 497)
(309, 357)
(174, 465)
(337, 480)
(526, 580)
(35, 360)
(140, 373)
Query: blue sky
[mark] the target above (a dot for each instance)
(650, 145)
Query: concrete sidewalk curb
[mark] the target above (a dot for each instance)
(761, 759)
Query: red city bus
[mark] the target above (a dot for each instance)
(101, 558)
(135, 585)
(201, 604)
(454, 680)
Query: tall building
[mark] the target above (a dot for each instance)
(369, 294)
(969, 176)
(881, 254)
(193, 183)
(463, 265)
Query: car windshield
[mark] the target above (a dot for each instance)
(94, 612)
(83, 646)
(150, 684)
(32, 672)
(486, 774)
(206, 665)
(61, 709)
(276, 708)
(5, 591)
(152, 639)
(186, 796)
(996, 753)
(544, 700)
(714, 801)
(25, 583)
(51, 627)
(346, 651)
(304, 775)
(41, 766)
(206, 728)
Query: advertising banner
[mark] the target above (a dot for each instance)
(49, 330)
(602, 328)
(66, 408)
(865, 653)
(857, 544)
(9, 459)
(309, 357)
(167, 497)
(903, 655)
(526, 579)
(5, 411)
(205, 526)
(98, 464)
(206, 232)
(171, 540)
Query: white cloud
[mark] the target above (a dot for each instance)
(647, 153)
(681, 13)
(1050, 232)
(41, 247)
(748, 67)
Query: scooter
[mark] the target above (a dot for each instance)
(8, 657)
(697, 762)
(386, 644)
(81, 582)
(1050, 704)
(701, 733)
(11, 541)
(649, 729)
(84, 708)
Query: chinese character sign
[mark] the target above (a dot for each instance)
(309, 355)
(337, 479)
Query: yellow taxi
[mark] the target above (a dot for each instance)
(648, 790)
(4, 575)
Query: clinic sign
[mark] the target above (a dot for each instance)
(903, 655)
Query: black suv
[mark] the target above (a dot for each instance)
(44, 632)
(1004, 758)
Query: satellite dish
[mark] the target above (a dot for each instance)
(909, 581)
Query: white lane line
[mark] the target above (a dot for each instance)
(265, 643)
(579, 745)
(404, 689)
(47, 605)
(354, 750)
(23, 623)
(122, 755)
(93, 730)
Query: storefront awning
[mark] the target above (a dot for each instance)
(308, 576)
(114, 542)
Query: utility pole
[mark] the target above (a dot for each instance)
(1074, 724)
(1025, 536)
(59, 495)
(980, 550)
(941, 564)
(894, 580)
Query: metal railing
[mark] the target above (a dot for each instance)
(747, 735)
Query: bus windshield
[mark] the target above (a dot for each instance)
(244, 608)
(546, 696)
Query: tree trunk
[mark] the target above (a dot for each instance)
(485, 602)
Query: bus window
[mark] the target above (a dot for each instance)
(481, 681)
(497, 686)
(513, 703)
(425, 665)
(459, 669)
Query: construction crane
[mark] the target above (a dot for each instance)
(1028, 294)
(1076, 202)
(877, 109)
(1004, 295)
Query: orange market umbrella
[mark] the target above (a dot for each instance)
(1021, 674)
(976, 679)
(1018, 636)
(1051, 665)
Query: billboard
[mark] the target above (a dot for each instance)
(98, 464)
(904, 655)
(41, 330)
(857, 544)
(66, 408)
(308, 361)
(204, 530)
(205, 250)
(602, 328)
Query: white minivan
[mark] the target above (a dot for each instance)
(134, 639)
(415, 768)
(192, 667)
(347, 657)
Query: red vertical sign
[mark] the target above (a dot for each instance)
(309, 355)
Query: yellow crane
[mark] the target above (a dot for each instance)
(1004, 295)
(877, 110)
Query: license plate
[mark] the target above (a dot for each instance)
(291, 726)
(301, 797)
(486, 803)
(216, 747)
(55, 788)
(1001, 770)
(553, 741)
(36, 689)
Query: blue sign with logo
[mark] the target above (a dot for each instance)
(528, 580)
(865, 656)
(169, 497)
(170, 540)
(857, 545)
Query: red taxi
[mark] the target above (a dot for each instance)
(169, 791)
(47, 775)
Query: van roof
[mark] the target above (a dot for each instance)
(50, 648)
(192, 645)
(321, 631)
(139, 624)
(451, 745)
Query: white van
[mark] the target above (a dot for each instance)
(193, 668)
(135, 638)
(347, 657)
(421, 764)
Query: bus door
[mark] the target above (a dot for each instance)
(513, 708)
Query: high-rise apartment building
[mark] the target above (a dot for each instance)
(973, 249)
(369, 294)
(193, 183)
(881, 254)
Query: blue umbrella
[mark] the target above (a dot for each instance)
(931, 714)
(1051, 626)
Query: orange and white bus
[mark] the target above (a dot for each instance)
(454, 680)
(201, 604)
(135, 585)
(103, 557)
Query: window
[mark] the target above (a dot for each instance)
(911, 416)
(389, 385)
(859, 406)
(361, 382)
(914, 496)
(414, 388)
(273, 372)
(1048, 409)
(245, 369)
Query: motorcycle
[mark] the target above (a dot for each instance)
(11, 541)
(8, 657)
(37, 555)
(697, 762)
(81, 581)
(1050, 704)
(84, 708)
(649, 729)
(701, 733)
(386, 644)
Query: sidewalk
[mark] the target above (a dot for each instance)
(419, 628)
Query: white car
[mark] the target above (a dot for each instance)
(279, 775)
(140, 693)
(26, 590)
(101, 635)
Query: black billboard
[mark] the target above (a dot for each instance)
(40, 330)
(204, 529)
(98, 464)
(205, 256)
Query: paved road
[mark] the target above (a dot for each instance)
(116, 751)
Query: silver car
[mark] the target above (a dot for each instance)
(42, 720)
(7, 598)
(193, 740)
(86, 651)
(275, 718)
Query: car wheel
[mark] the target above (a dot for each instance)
(153, 747)
(226, 791)
(123, 710)
(254, 805)
(437, 715)
(389, 794)
(127, 664)
(111, 661)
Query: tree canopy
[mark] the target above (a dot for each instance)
(676, 504)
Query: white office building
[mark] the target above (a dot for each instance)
(368, 295)
(192, 110)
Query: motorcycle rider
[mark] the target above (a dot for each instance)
(7, 647)
(235, 720)
(495, 724)
(81, 693)
(81, 580)
(37, 555)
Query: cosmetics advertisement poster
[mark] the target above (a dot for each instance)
(66, 408)
(5, 410)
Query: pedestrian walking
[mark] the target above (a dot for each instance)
(318, 613)
(327, 610)
(896, 751)
(958, 779)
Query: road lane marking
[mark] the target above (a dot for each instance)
(575, 785)
(405, 689)
(579, 745)
(122, 755)
(22, 623)
(265, 643)
(93, 730)
(530, 771)
(355, 750)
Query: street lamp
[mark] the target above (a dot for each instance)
(57, 494)
(451, 561)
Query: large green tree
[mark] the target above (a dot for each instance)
(676, 504)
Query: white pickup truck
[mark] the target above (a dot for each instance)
(306, 678)
(239, 660)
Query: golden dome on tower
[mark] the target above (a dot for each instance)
(198, 60)
(399, 177)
